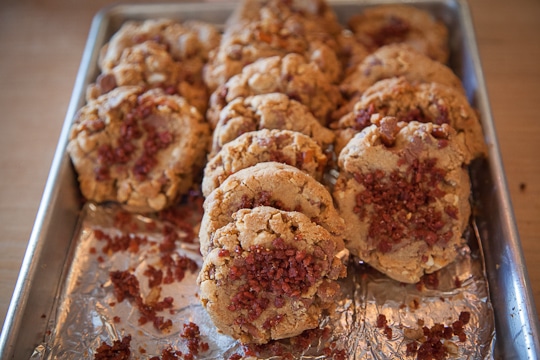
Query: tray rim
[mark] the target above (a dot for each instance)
(528, 338)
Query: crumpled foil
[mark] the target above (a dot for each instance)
(88, 313)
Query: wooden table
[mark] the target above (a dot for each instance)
(41, 45)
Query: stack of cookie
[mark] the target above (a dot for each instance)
(141, 136)
(271, 237)
(404, 138)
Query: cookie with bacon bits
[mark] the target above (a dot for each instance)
(391, 61)
(140, 149)
(291, 75)
(188, 42)
(407, 101)
(260, 29)
(267, 111)
(404, 24)
(268, 184)
(150, 65)
(284, 146)
(271, 275)
(404, 194)
(160, 53)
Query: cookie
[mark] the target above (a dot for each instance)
(140, 149)
(391, 61)
(274, 28)
(407, 101)
(319, 16)
(149, 64)
(271, 276)
(267, 111)
(284, 146)
(268, 184)
(404, 194)
(189, 42)
(291, 75)
(404, 24)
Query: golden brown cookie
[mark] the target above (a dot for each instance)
(391, 61)
(260, 29)
(404, 194)
(271, 275)
(140, 149)
(267, 111)
(190, 41)
(404, 24)
(268, 184)
(158, 53)
(407, 101)
(284, 146)
(149, 64)
(291, 75)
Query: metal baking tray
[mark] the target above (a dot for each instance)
(49, 252)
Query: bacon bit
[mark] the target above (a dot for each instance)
(126, 286)
(432, 346)
(223, 253)
(443, 117)
(465, 317)
(430, 281)
(119, 350)
(155, 276)
(118, 243)
(192, 334)
(363, 117)
(168, 354)
(382, 323)
(125, 221)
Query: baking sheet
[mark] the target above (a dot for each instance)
(35, 311)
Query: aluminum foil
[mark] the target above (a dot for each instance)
(375, 318)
